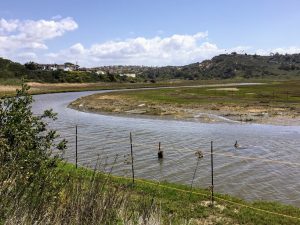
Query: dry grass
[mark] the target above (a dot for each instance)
(8, 88)
(62, 85)
(78, 198)
(223, 89)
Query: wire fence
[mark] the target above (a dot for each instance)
(126, 158)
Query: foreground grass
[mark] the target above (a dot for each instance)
(178, 204)
(67, 195)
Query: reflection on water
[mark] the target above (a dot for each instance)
(104, 137)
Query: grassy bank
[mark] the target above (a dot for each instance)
(68, 195)
(43, 88)
(8, 86)
(272, 102)
(179, 204)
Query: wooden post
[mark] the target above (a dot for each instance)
(160, 154)
(212, 173)
(131, 152)
(76, 148)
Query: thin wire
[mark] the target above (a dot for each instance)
(259, 158)
(172, 146)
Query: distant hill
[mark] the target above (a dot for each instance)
(11, 72)
(231, 66)
(250, 66)
(10, 69)
(223, 66)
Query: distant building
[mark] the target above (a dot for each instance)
(128, 75)
(100, 72)
(53, 67)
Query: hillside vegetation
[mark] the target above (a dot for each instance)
(233, 65)
(12, 73)
(224, 66)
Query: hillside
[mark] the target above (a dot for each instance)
(250, 66)
(232, 66)
(11, 70)
(223, 66)
(12, 73)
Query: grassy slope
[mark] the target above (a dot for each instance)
(177, 201)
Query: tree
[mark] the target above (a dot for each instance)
(31, 66)
(111, 77)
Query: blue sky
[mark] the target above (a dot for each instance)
(165, 32)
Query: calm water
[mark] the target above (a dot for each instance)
(105, 139)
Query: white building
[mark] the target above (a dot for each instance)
(133, 75)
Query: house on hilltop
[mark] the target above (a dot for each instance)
(54, 67)
(133, 75)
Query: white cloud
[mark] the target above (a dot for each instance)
(30, 35)
(25, 40)
(42, 30)
(77, 49)
(57, 17)
(173, 50)
(8, 25)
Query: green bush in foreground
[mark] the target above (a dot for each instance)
(26, 151)
(34, 190)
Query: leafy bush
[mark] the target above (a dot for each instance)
(36, 187)
(26, 150)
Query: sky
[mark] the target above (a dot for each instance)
(145, 32)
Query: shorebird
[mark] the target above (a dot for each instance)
(236, 145)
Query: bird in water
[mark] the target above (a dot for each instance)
(236, 145)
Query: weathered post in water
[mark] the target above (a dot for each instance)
(212, 173)
(131, 152)
(76, 148)
(160, 153)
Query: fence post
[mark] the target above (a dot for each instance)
(212, 173)
(76, 148)
(131, 152)
(160, 153)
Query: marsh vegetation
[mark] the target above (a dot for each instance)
(271, 102)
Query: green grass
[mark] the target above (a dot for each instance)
(54, 88)
(284, 93)
(178, 201)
